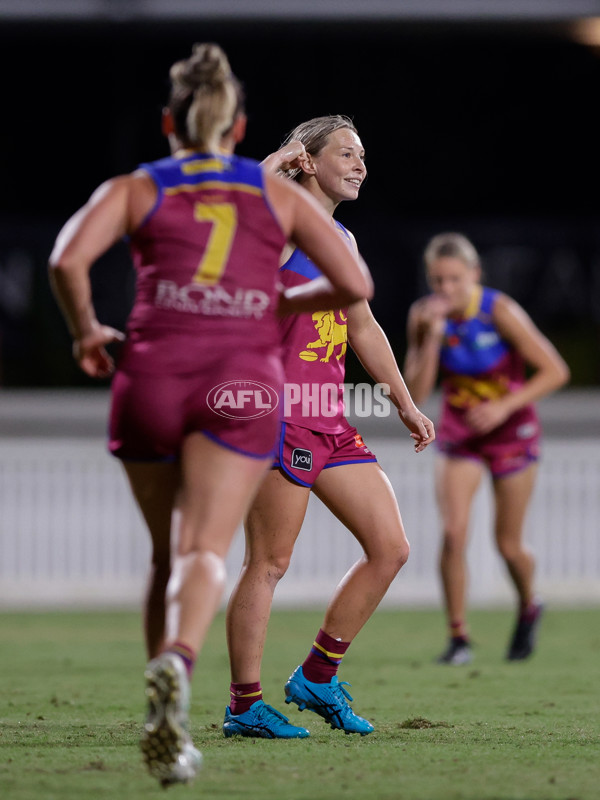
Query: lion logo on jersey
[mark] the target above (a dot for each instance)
(332, 335)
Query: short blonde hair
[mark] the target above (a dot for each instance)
(451, 245)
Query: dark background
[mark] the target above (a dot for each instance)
(487, 128)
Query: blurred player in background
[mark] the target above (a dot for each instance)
(319, 451)
(206, 231)
(481, 341)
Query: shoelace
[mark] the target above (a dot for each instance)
(339, 688)
(267, 710)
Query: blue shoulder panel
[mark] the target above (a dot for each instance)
(195, 168)
(301, 264)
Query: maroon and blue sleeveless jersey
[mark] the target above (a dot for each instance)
(314, 352)
(206, 260)
(477, 364)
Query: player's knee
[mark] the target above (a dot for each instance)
(510, 551)
(278, 565)
(267, 565)
(202, 563)
(454, 539)
(402, 554)
(393, 557)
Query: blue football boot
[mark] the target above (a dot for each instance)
(328, 700)
(261, 721)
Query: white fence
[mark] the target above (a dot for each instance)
(70, 533)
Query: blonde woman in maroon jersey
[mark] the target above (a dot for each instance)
(319, 451)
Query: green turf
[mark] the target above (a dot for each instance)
(71, 707)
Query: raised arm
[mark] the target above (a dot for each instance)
(288, 157)
(425, 331)
(550, 371)
(369, 342)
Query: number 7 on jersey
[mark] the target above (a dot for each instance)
(223, 219)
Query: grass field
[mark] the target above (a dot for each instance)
(71, 708)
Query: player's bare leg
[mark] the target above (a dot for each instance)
(217, 485)
(154, 487)
(512, 495)
(272, 527)
(456, 481)
(362, 498)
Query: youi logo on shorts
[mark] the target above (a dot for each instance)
(242, 399)
(301, 459)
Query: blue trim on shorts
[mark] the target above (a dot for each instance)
(216, 440)
(173, 459)
(530, 460)
(456, 456)
(477, 459)
(357, 461)
(281, 464)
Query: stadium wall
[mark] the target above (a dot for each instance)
(70, 534)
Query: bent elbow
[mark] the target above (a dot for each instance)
(354, 292)
(365, 290)
(56, 266)
(564, 374)
(57, 270)
(352, 296)
(60, 263)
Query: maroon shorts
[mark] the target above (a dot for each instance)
(151, 414)
(303, 453)
(509, 448)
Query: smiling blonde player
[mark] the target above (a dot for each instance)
(319, 451)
